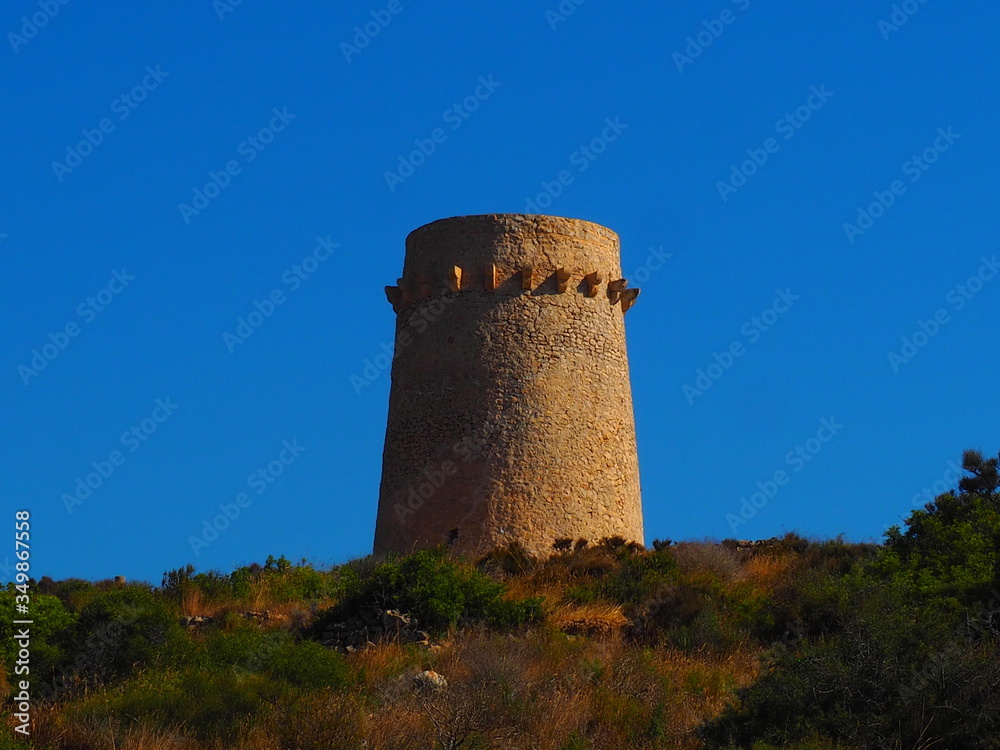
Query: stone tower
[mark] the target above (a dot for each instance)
(510, 414)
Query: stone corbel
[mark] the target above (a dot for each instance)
(593, 282)
(615, 289)
(562, 280)
(628, 298)
(395, 296)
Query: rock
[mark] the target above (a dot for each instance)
(395, 621)
(196, 621)
(429, 680)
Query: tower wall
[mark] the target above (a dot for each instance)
(510, 412)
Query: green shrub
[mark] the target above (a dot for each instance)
(50, 621)
(244, 646)
(436, 591)
(211, 705)
(903, 643)
(123, 629)
(278, 580)
(612, 572)
(275, 653)
(307, 665)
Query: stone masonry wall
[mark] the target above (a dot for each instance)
(510, 413)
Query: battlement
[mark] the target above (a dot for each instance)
(526, 280)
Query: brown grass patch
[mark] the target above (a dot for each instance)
(707, 557)
(768, 572)
(588, 619)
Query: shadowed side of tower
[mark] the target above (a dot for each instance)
(510, 413)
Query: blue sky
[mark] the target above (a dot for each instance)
(169, 167)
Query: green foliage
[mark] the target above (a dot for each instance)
(866, 646)
(513, 559)
(307, 665)
(437, 591)
(275, 653)
(617, 573)
(984, 480)
(641, 574)
(949, 548)
(123, 629)
(244, 647)
(903, 645)
(69, 590)
(278, 579)
(208, 705)
(49, 619)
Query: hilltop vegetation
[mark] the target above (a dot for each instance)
(789, 643)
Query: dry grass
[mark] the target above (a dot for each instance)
(377, 664)
(545, 688)
(588, 619)
(540, 690)
(537, 690)
(710, 681)
(51, 728)
(707, 557)
(767, 572)
(279, 613)
(195, 604)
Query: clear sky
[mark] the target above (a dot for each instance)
(167, 166)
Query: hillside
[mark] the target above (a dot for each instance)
(784, 643)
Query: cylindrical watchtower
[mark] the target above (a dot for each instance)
(510, 414)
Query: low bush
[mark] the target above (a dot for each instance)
(208, 705)
(437, 591)
(47, 649)
(124, 629)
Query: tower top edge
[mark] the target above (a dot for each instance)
(515, 222)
